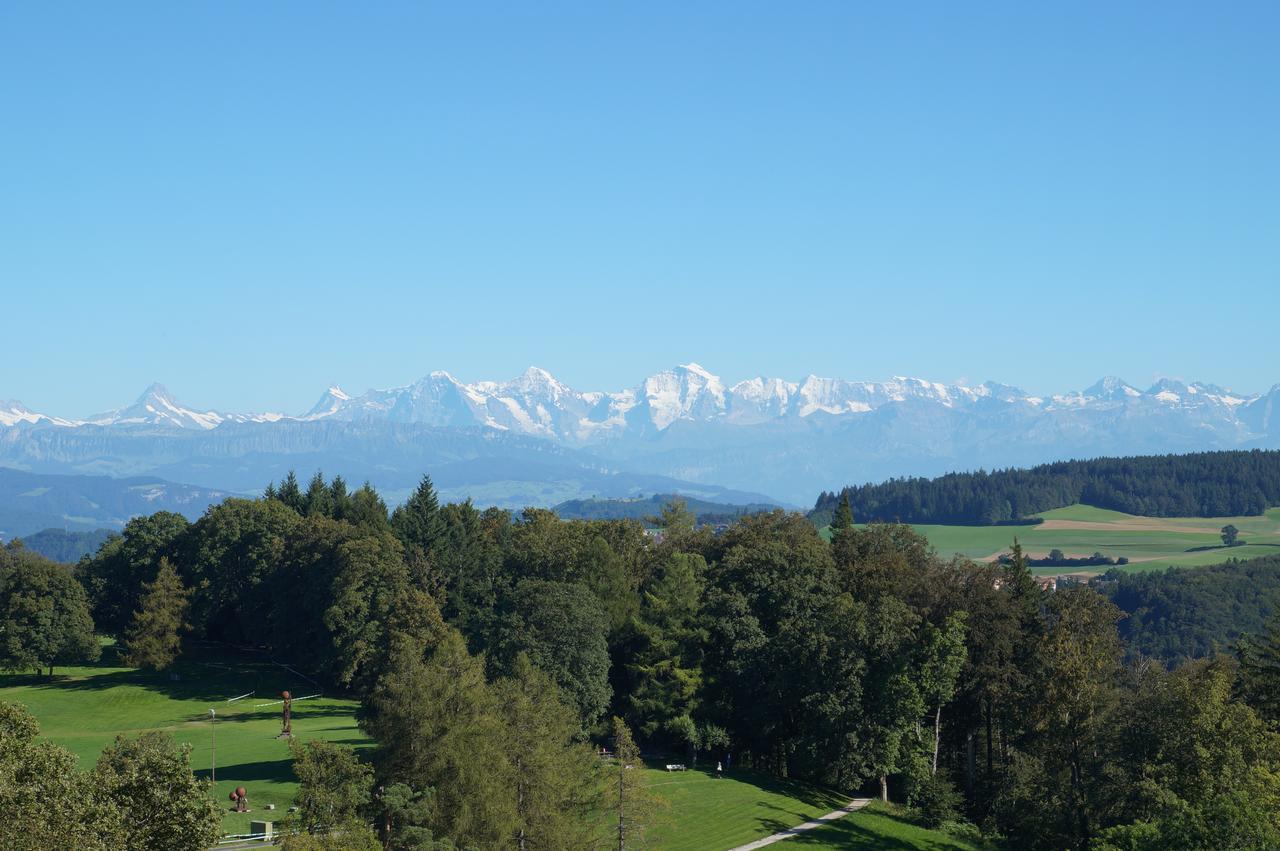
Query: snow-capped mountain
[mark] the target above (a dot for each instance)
(787, 438)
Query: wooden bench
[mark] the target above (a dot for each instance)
(676, 767)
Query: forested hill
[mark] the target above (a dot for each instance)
(1190, 613)
(1205, 484)
(639, 508)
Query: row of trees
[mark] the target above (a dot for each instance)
(488, 650)
(1206, 484)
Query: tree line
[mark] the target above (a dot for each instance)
(494, 653)
(1205, 484)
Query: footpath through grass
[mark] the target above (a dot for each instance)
(706, 813)
(84, 708)
(879, 827)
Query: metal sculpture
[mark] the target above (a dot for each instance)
(240, 798)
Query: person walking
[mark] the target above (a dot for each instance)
(719, 770)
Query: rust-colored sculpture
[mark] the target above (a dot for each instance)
(287, 720)
(240, 798)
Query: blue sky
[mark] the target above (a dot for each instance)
(249, 201)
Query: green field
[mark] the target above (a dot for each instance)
(879, 827)
(84, 708)
(1148, 542)
(705, 813)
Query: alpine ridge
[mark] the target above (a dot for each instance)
(787, 438)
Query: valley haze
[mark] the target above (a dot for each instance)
(533, 440)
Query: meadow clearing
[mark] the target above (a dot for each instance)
(84, 708)
(1148, 542)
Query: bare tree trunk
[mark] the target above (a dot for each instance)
(937, 736)
(970, 763)
(884, 788)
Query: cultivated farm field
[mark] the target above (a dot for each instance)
(1148, 542)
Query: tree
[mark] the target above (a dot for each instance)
(627, 794)
(418, 522)
(44, 615)
(334, 787)
(1190, 765)
(437, 728)
(153, 640)
(161, 803)
(113, 577)
(943, 652)
(58, 805)
(842, 520)
(675, 518)
(1230, 535)
(552, 778)
(563, 628)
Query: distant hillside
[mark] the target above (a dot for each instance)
(1195, 612)
(640, 508)
(30, 502)
(1205, 484)
(63, 546)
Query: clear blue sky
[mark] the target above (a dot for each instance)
(248, 201)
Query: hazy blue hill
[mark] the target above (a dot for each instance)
(30, 502)
(64, 546)
(642, 508)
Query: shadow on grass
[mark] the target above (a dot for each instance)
(860, 830)
(185, 681)
(279, 770)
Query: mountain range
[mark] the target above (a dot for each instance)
(535, 440)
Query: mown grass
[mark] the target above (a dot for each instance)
(881, 827)
(84, 708)
(706, 813)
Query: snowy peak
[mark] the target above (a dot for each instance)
(329, 404)
(13, 412)
(538, 404)
(157, 406)
(1112, 388)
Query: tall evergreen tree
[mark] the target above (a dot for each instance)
(290, 494)
(319, 498)
(842, 520)
(437, 727)
(627, 795)
(153, 640)
(553, 779)
(418, 521)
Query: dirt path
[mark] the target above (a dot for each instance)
(853, 806)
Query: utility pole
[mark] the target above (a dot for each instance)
(213, 743)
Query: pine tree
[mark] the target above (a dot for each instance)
(553, 779)
(318, 499)
(419, 522)
(842, 521)
(290, 494)
(627, 793)
(153, 638)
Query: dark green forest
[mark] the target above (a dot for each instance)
(1205, 484)
(493, 652)
(1189, 613)
(64, 545)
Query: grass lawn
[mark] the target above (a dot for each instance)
(704, 813)
(83, 709)
(879, 827)
(1150, 543)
